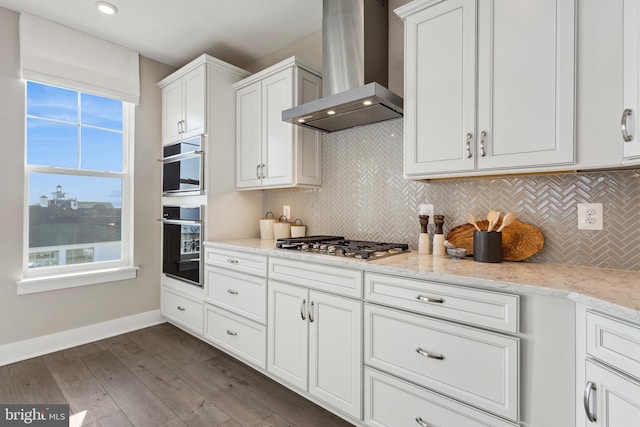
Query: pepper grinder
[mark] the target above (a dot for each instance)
(438, 238)
(423, 241)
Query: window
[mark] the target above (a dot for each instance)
(78, 181)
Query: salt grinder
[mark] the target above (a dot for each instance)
(423, 241)
(438, 238)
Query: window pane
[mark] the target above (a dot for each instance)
(101, 112)
(101, 150)
(78, 216)
(52, 144)
(52, 102)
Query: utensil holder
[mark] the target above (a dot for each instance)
(487, 246)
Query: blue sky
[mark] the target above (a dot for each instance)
(77, 132)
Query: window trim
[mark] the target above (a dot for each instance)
(60, 277)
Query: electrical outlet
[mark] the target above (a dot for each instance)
(426, 209)
(286, 211)
(590, 216)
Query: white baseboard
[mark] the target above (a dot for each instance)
(22, 350)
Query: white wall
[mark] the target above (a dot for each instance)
(308, 49)
(29, 316)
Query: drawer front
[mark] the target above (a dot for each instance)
(477, 367)
(237, 261)
(182, 309)
(614, 342)
(241, 337)
(487, 309)
(390, 402)
(237, 292)
(317, 276)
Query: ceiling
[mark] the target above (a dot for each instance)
(174, 33)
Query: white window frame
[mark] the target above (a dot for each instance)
(67, 276)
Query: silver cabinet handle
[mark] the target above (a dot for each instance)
(483, 136)
(311, 312)
(623, 125)
(262, 170)
(258, 171)
(468, 149)
(232, 333)
(429, 355)
(232, 261)
(421, 422)
(232, 291)
(302, 304)
(430, 299)
(179, 126)
(591, 416)
(181, 308)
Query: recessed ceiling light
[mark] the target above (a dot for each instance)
(300, 120)
(106, 8)
(366, 103)
(331, 112)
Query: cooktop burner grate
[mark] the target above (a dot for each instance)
(339, 246)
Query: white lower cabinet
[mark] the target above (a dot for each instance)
(315, 344)
(474, 366)
(240, 336)
(608, 389)
(390, 402)
(182, 309)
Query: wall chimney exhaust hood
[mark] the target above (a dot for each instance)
(354, 69)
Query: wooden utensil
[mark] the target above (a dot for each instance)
(472, 220)
(508, 219)
(519, 241)
(492, 217)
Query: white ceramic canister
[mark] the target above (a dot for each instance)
(266, 226)
(282, 229)
(298, 230)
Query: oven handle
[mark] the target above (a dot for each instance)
(180, 221)
(181, 156)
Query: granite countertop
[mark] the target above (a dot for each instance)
(616, 292)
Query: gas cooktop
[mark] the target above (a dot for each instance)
(339, 246)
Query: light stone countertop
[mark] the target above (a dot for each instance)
(616, 292)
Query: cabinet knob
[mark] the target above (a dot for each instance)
(591, 415)
(232, 291)
(430, 299)
(232, 333)
(232, 261)
(262, 170)
(626, 136)
(421, 422)
(258, 171)
(181, 308)
(311, 312)
(302, 304)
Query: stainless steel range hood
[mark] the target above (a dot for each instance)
(355, 69)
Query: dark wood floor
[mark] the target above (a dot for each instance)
(158, 376)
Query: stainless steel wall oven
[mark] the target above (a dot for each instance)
(183, 231)
(183, 168)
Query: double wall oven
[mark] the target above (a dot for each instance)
(182, 220)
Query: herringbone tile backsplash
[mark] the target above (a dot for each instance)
(364, 196)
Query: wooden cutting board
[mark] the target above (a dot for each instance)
(519, 240)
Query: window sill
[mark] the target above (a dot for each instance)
(33, 285)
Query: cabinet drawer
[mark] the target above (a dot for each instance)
(182, 309)
(477, 367)
(614, 342)
(237, 261)
(390, 402)
(317, 276)
(242, 337)
(488, 309)
(237, 292)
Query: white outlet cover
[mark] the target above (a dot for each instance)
(590, 216)
(425, 209)
(286, 211)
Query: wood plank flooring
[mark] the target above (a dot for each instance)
(158, 377)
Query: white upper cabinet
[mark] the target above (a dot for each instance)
(630, 118)
(489, 86)
(272, 153)
(184, 106)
